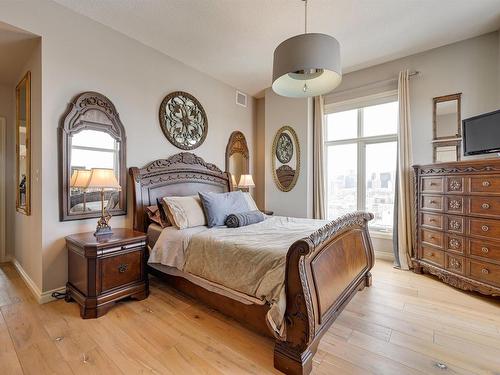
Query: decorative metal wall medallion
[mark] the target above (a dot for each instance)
(284, 148)
(183, 120)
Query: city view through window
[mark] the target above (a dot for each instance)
(361, 148)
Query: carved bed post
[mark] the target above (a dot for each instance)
(323, 272)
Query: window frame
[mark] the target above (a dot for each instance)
(361, 142)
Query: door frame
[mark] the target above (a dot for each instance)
(3, 182)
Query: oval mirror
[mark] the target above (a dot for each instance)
(237, 157)
(286, 158)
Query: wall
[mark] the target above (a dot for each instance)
(260, 154)
(470, 67)
(6, 104)
(280, 111)
(79, 54)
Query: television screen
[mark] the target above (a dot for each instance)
(482, 134)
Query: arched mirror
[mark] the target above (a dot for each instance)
(237, 157)
(286, 158)
(91, 136)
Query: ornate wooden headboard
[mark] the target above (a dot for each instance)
(180, 175)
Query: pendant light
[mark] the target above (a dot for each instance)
(306, 65)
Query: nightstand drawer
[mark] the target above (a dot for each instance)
(121, 269)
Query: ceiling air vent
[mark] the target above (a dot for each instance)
(241, 98)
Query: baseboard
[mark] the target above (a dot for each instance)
(35, 290)
(6, 259)
(384, 255)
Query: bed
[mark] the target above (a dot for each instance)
(322, 270)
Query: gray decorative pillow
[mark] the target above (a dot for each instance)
(218, 206)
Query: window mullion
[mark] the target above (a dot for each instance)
(361, 175)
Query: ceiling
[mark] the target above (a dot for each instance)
(234, 40)
(16, 47)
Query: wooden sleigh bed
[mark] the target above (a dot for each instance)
(323, 271)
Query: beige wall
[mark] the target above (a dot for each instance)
(79, 55)
(260, 153)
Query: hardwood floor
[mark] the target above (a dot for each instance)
(403, 324)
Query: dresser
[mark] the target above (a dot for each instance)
(458, 223)
(102, 272)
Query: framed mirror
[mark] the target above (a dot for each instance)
(23, 145)
(286, 158)
(237, 157)
(446, 117)
(91, 135)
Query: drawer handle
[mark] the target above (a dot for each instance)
(485, 271)
(485, 228)
(432, 237)
(433, 183)
(432, 201)
(485, 250)
(122, 267)
(431, 254)
(486, 183)
(485, 206)
(432, 220)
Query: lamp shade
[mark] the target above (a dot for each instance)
(103, 178)
(307, 65)
(246, 181)
(233, 180)
(80, 178)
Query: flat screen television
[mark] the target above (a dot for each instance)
(481, 134)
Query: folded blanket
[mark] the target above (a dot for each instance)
(244, 219)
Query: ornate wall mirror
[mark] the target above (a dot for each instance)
(23, 145)
(447, 127)
(91, 135)
(286, 158)
(237, 156)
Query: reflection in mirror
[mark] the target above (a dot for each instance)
(447, 117)
(445, 153)
(91, 137)
(92, 149)
(23, 152)
(237, 157)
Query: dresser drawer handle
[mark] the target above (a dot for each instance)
(485, 228)
(432, 201)
(485, 250)
(485, 271)
(432, 254)
(433, 183)
(485, 206)
(432, 220)
(122, 267)
(486, 183)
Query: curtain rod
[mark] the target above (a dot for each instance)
(376, 83)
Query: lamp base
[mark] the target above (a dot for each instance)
(103, 229)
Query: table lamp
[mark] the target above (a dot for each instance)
(246, 182)
(102, 179)
(79, 180)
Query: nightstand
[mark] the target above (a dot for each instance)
(101, 272)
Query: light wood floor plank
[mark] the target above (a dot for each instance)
(403, 324)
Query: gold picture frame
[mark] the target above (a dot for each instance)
(23, 145)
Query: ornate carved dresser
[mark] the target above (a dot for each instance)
(458, 223)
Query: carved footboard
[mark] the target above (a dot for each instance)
(324, 271)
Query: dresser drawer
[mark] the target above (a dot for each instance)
(433, 221)
(485, 250)
(484, 271)
(484, 228)
(432, 238)
(121, 269)
(431, 184)
(455, 224)
(485, 184)
(484, 206)
(455, 244)
(432, 202)
(433, 256)
(455, 263)
(454, 204)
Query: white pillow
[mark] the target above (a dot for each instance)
(185, 212)
(251, 203)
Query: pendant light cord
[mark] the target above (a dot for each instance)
(305, 16)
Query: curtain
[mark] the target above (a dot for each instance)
(403, 206)
(319, 185)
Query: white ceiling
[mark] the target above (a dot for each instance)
(234, 40)
(15, 47)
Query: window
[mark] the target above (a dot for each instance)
(361, 150)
